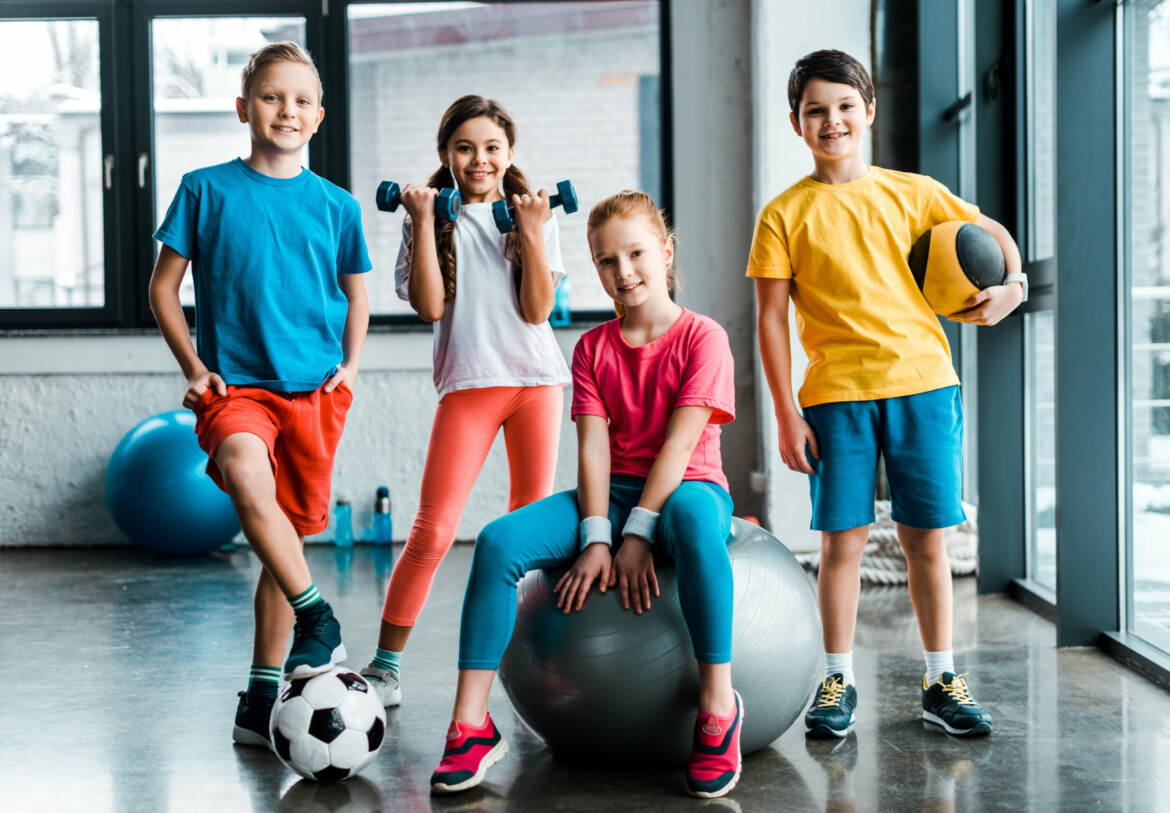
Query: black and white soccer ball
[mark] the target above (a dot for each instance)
(329, 726)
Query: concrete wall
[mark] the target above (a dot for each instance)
(66, 401)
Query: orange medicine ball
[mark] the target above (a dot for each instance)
(954, 261)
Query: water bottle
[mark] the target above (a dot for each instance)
(383, 527)
(560, 311)
(343, 516)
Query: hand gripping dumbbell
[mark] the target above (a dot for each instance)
(504, 214)
(447, 203)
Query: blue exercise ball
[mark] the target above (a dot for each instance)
(159, 492)
(569, 677)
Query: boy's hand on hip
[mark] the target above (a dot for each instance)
(795, 436)
(531, 210)
(633, 570)
(200, 383)
(990, 305)
(343, 375)
(594, 563)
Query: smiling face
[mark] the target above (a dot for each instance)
(832, 119)
(632, 260)
(283, 108)
(478, 154)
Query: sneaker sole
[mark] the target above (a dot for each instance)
(715, 794)
(303, 671)
(246, 736)
(491, 758)
(825, 732)
(979, 730)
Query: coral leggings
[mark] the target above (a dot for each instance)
(466, 424)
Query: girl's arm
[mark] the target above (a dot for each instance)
(537, 294)
(168, 312)
(357, 321)
(992, 304)
(427, 296)
(593, 501)
(776, 354)
(634, 564)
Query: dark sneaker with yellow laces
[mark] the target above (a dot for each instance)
(833, 709)
(716, 761)
(948, 704)
(252, 715)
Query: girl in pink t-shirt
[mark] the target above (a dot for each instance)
(650, 391)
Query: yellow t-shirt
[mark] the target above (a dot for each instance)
(862, 320)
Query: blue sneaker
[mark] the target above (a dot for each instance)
(948, 704)
(252, 716)
(833, 709)
(316, 646)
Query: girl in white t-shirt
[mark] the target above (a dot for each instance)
(497, 363)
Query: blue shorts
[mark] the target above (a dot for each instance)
(921, 438)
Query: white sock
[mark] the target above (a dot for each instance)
(937, 663)
(839, 663)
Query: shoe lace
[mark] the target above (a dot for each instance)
(957, 689)
(832, 690)
(309, 628)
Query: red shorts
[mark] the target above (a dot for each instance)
(301, 431)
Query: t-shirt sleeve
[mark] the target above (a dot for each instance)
(769, 256)
(352, 255)
(179, 228)
(586, 392)
(402, 264)
(709, 377)
(552, 248)
(943, 206)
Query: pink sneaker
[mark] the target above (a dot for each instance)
(468, 755)
(715, 762)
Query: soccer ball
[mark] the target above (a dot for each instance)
(329, 726)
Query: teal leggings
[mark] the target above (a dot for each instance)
(693, 529)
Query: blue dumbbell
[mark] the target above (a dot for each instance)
(447, 204)
(504, 214)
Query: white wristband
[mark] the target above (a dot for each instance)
(595, 529)
(641, 523)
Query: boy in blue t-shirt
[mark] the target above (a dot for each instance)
(281, 314)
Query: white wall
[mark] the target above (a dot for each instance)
(782, 32)
(66, 401)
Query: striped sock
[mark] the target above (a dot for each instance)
(305, 600)
(261, 676)
(387, 659)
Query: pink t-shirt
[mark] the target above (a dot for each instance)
(638, 388)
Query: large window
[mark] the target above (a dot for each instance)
(53, 169)
(1147, 192)
(580, 79)
(105, 104)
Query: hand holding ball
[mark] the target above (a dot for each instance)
(954, 261)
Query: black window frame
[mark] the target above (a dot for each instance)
(127, 132)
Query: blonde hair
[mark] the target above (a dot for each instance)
(464, 109)
(286, 51)
(631, 203)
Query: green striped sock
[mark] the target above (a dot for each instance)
(305, 600)
(386, 659)
(261, 676)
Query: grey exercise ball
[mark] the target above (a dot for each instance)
(572, 678)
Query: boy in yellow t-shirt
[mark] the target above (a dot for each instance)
(879, 377)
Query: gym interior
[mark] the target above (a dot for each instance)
(1053, 116)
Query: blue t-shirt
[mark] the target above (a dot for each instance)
(265, 254)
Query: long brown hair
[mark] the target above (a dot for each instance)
(461, 110)
(629, 203)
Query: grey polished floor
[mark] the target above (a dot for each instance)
(118, 682)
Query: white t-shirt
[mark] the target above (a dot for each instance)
(482, 339)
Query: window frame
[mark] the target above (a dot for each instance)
(127, 132)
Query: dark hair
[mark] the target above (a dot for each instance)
(832, 66)
(464, 109)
